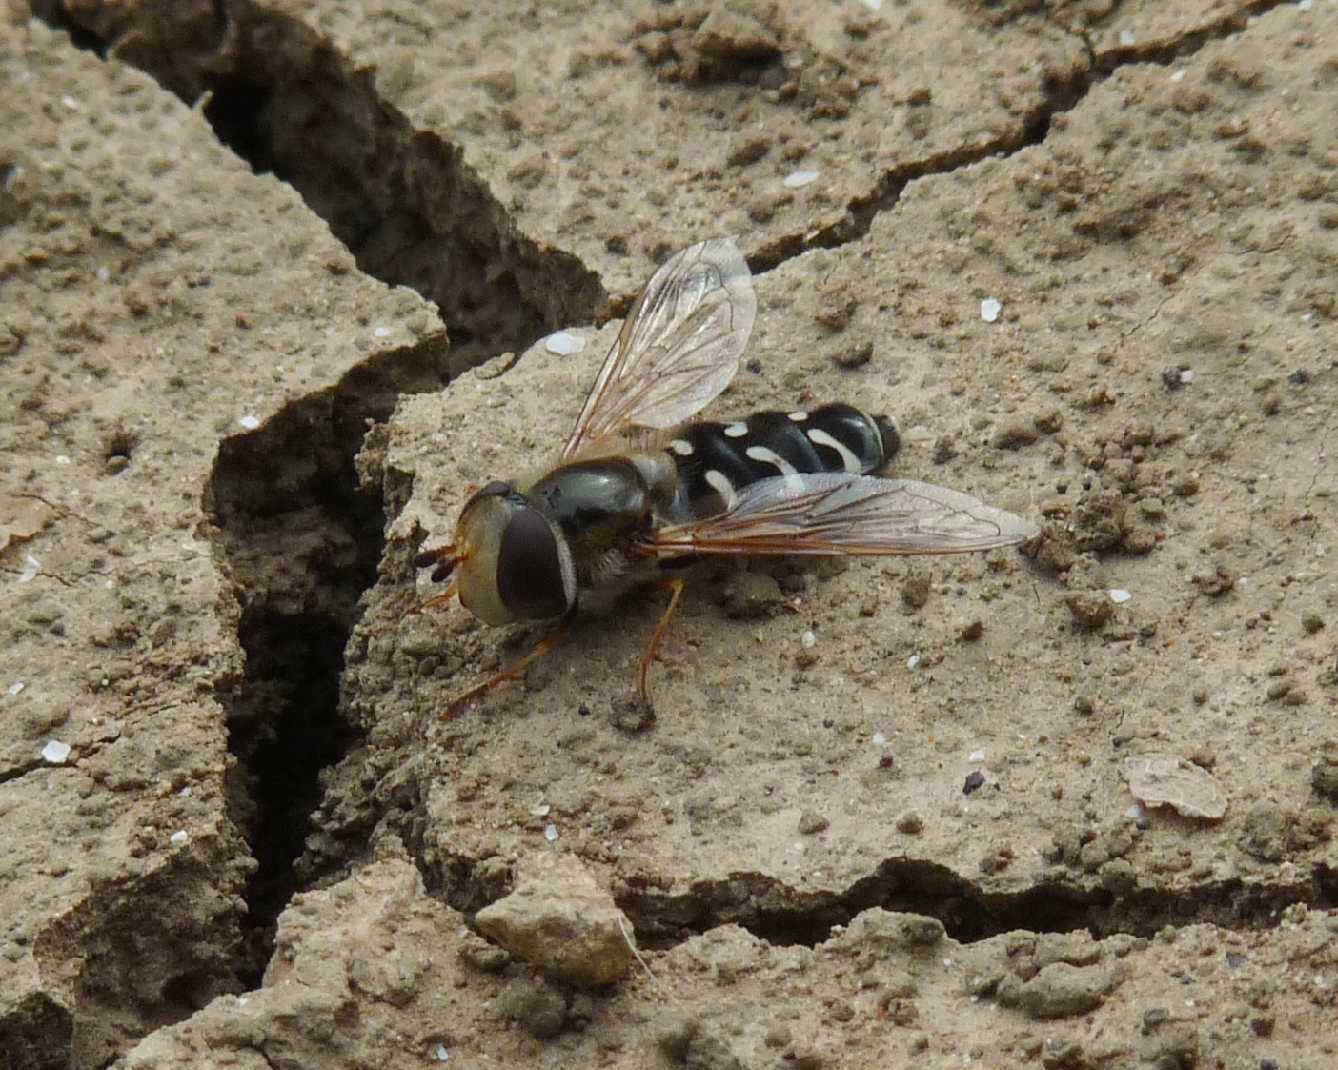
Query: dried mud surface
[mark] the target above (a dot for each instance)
(274, 284)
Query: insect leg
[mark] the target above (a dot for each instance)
(434, 601)
(674, 585)
(511, 672)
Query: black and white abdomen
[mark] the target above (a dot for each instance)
(715, 461)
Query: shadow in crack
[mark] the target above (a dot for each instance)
(771, 910)
(301, 540)
(293, 666)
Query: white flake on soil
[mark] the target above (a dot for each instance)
(16, 687)
(55, 752)
(550, 832)
(180, 838)
(31, 567)
(990, 309)
(799, 179)
(249, 422)
(913, 662)
(1119, 596)
(564, 343)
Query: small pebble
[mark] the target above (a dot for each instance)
(811, 823)
(799, 179)
(249, 422)
(975, 780)
(1118, 596)
(990, 309)
(551, 832)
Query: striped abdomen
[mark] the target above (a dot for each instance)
(715, 461)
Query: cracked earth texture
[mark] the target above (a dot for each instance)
(274, 279)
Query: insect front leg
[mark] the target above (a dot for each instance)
(512, 672)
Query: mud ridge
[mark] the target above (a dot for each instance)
(404, 201)
(301, 540)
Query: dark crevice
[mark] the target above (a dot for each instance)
(782, 916)
(57, 16)
(293, 665)
(301, 540)
(234, 110)
(14, 772)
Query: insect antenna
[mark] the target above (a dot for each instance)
(444, 557)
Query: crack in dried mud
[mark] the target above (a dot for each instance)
(1187, 44)
(781, 915)
(302, 541)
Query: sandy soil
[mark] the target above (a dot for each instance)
(275, 280)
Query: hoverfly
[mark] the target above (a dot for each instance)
(623, 508)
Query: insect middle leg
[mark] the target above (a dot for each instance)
(674, 585)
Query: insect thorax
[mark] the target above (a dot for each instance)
(715, 460)
(599, 506)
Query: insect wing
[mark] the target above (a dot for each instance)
(845, 514)
(678, 348)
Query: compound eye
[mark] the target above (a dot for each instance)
(535, 577)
